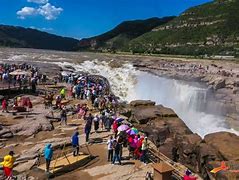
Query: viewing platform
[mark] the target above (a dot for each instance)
(66, 163)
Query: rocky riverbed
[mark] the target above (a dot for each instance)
(222, 78)
(165, 128)
(167, 131)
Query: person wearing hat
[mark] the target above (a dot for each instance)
(7, 164)
(188, 176)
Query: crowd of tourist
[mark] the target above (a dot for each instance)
(105, 119)
(198, 68)
(20, 74)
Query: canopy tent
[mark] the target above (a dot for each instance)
(20, 72)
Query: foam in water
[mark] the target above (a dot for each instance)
(122, 79)
(189, 102)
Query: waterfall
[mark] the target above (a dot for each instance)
(192, 103)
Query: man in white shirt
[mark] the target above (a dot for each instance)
(110, 148)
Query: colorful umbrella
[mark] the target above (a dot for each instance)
(135, 130)
(132, 131)
(123, 127)
(119, 119)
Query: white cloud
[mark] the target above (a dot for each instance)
(38, 1)
(48, 11)
(46, 29)
(42, 29)
(26, 11)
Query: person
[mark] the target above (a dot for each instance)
(75, 143)
(96, 123)
(63, 116)
(175, 154)
(48, 153)
(115, 127)
(7, 164)
(110, 148)
(33, 83)
(88, 128)
(188, 176)
(4, 105)
(144, 149)
(116, 146)
(29, 104)
(63, 93)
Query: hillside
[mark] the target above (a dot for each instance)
(119, 37)
(11, 36)
(211, 28)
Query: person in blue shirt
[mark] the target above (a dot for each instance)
(48, 153)
(75, 143)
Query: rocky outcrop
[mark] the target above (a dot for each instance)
(31, 127)
(167, 131)
(226, 143)
(28, 158)
(137, 103)
(5, 132)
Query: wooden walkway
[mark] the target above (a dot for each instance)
(6, 89)
(63, 163)
(179, 169)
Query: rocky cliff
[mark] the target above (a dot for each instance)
(169, 132)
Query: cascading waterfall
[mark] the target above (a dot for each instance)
(191, 103)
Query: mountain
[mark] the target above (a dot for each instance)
(11, 36)
(119, 37)
(211, 28)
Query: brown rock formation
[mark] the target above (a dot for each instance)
(167, 131)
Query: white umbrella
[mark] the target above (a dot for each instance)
(19, 72)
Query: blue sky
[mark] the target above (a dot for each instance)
(85, 18)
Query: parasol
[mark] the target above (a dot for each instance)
(19, 72)
(123, 127)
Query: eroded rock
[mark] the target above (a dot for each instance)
(31, 127)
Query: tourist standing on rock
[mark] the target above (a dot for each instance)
(63, 93)
(115, 127)
(75, 143)
(7, 164)
(48, 153)
(110, 148)
(116, 146)
(96, 123)
(88, 125)
(144, 149)
(63, 116)
(33, 83)
(4, 105)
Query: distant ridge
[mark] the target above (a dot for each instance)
(206, 30)
(119, 37)
(211, 28)
(14, 36)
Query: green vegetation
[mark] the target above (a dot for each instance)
(11, 36)
(202, 31)
(119, 38)
(212, 29)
